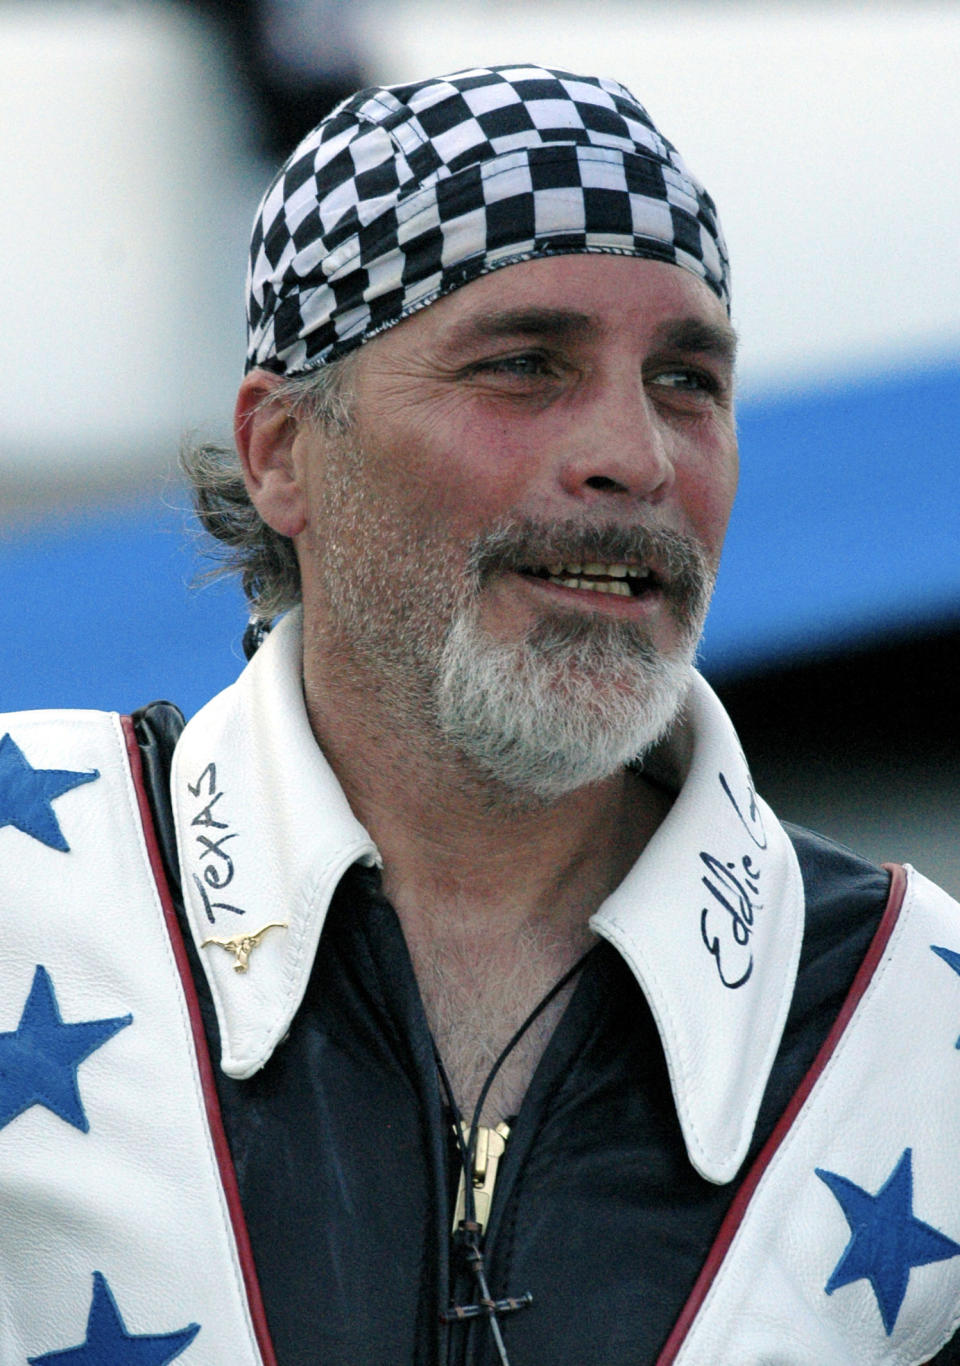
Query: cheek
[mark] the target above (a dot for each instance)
(706, 496)
(458, 475)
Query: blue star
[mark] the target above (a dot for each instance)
(39, 1059)
(951, 957)
(886, 1240)
(26, 794)
(109, 1344)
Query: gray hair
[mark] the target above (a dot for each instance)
(265, 560)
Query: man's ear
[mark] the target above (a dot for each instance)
(265, 433)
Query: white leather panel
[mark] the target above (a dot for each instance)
(138, 1196)
(892, 1084)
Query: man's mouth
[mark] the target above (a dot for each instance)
(619, 579)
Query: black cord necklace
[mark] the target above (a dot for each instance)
(468, 1228)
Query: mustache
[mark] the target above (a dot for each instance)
(682, 570)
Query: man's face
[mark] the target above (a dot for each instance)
(531, 500)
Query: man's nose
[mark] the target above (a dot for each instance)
(618, 445)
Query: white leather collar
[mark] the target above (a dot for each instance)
(710, 921)
(710, 918)
(265, 834)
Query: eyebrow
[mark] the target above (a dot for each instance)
(528, 322)
(696, 334)
(682, 334)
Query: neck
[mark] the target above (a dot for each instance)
(454, 840)
(494, 891)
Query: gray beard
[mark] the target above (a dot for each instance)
(571, 704)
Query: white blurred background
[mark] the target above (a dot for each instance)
(135, 140)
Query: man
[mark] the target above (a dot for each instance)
(465, 882)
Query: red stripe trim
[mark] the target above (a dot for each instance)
(741, 1201)
(228, 1176)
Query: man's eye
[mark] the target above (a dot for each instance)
(525, 365)
(685, 379)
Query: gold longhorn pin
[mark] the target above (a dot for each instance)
(242, 945)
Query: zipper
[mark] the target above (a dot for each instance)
(491, 1145)
(479, 1308)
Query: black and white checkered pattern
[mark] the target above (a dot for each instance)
(403, 194)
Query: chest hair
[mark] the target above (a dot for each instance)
(477, 995)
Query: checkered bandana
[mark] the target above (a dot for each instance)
(403, 194)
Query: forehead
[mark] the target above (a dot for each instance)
(589, 295)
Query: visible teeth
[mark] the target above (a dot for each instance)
(618, 578)
(616, 586)
(597, 570)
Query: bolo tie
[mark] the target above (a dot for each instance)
(469, 1229)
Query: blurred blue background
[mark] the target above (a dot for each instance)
(844, 529)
